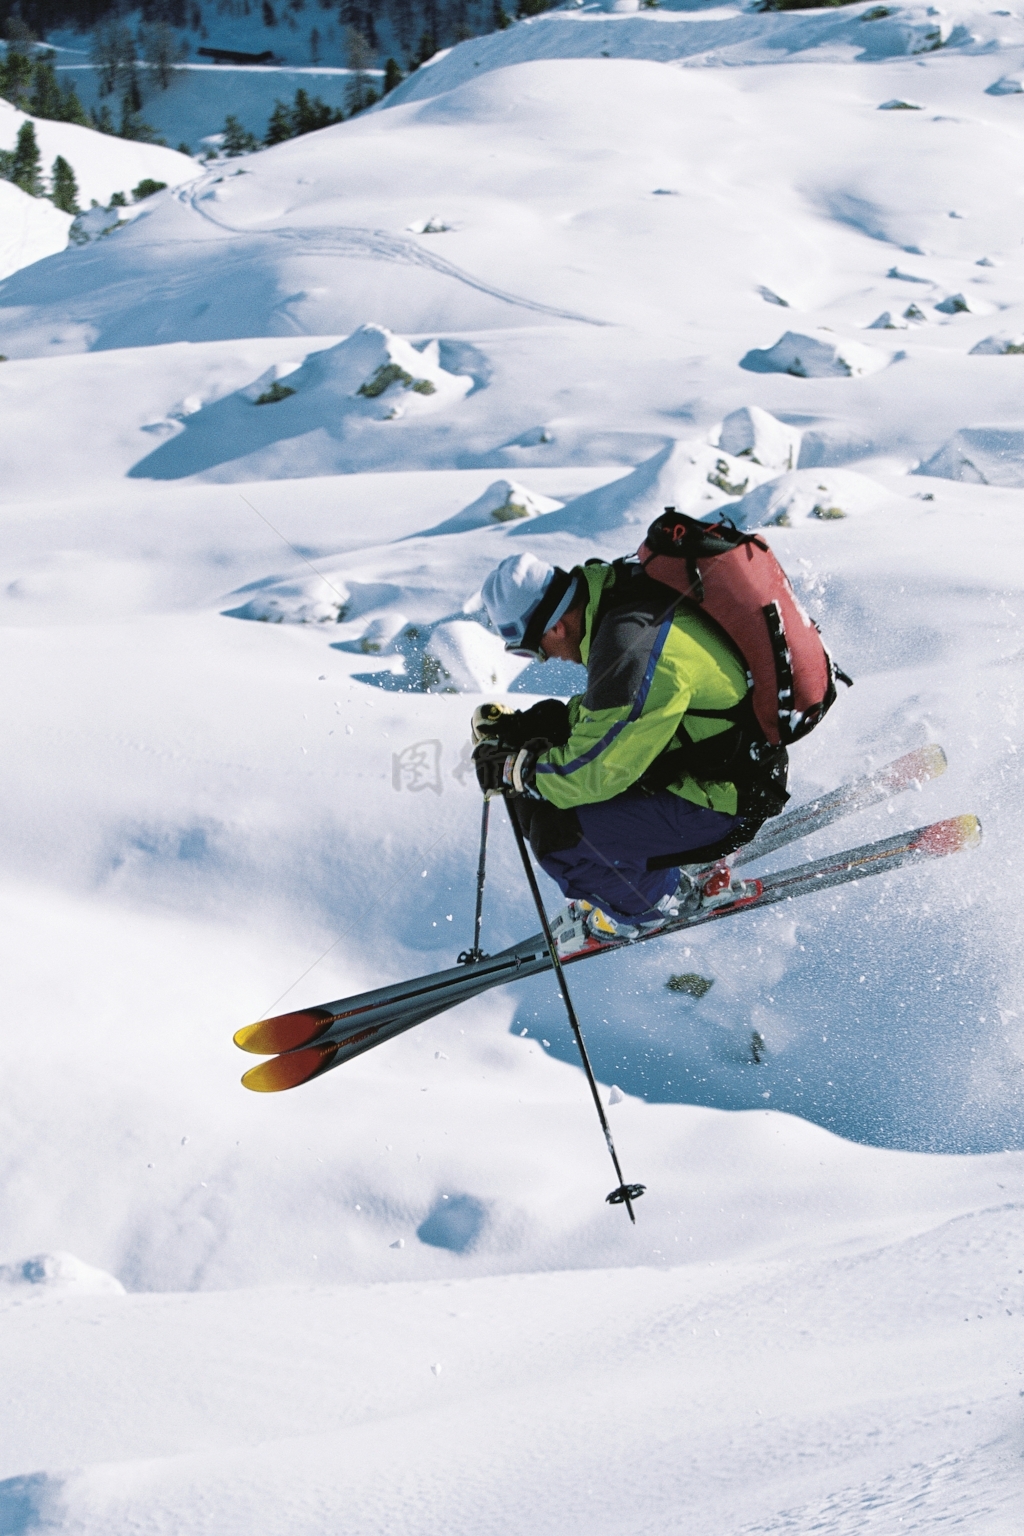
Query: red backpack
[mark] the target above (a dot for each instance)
(734, 579)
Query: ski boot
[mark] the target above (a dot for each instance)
(717, 888)
(580, 925)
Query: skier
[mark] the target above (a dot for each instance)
(658, 765)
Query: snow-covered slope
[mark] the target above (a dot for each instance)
(856, 1386)
(102, 163)
(30, 228)
(814, 1324)
(711, 35)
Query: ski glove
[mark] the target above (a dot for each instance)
(501, 772)
(548, 719)
(487, 722)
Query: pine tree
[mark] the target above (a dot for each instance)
(304, 114)
(46, 99)
(114, 57)
(237, 140)
(280, 126)
(132, 126)
(309, 115)
(162, 52)
(147, 187)
(64, 188)
(71, 109)
(26, 167)
(16, 69)
(357, 56)
(499, 18)
(392, 76)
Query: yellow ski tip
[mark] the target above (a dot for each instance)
(289, 1071)
(286, 1032)
(933, 760)
(922, 764)
(952, 836)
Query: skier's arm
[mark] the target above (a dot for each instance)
(610, 747)
(606, 753)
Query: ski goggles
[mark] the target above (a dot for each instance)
(555, 603)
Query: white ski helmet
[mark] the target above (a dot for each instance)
(526, 597)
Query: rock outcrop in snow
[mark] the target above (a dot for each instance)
(757, 435)
(1006, 85)
(962, 304)
(824, 495)
(316, 601)
(815, 357)
(980, 455)
(887, 321)
(371, 373)
(691, 475)
(506, 501)
(999, 345)
(308, 418)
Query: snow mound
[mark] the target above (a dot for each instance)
(823, 495)
(94, 223)
(462, 657)
(999, 345)
(55, 1272)
(981, 456)
(320, 600)
(887, 321)
(506, 501)
(1006, 85)
(757, 435)
(692, 476)
(30, 228)
(258, 391)
(962, 304)
(375, 373)
(815, 357)
(381, 633)
(309, 418)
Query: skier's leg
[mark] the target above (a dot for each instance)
(608, 865)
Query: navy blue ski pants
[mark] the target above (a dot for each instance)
(608, 866)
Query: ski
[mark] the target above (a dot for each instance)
(314, 1040)
(910, 771)
(288, 1031)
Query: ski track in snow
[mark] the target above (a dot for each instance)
(380, 245)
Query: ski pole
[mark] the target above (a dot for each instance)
(471, 956)
(625, 1194)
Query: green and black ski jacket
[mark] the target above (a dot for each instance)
(651, 661)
